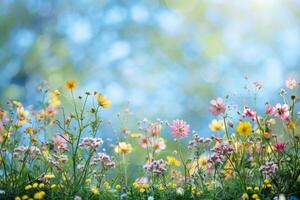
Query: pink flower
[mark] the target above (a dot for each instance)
(282, 111)
(217, 106)
(50, 111)
(144, 141)
(179, 128)
(279, 146)
(249, 113)
(158, 144)
(154, 129)
(291, 83)
(60, 142)
(270, 110)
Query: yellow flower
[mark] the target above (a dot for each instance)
(54, 100)
(244, 128)
(292, 125)
(39, 195)
(17, 103)
(29, 130)
(173, 161)
(24, 197)
(53, 186)
(88, 180)
(256, 188)
(28, 187)
(34, 139)
(118, 187)
(49, 176)
(71, 84)
(245, 196)
(106, 185)
(17, 198)
(135, 135)
(35, 185)
(95, 190)
(255, 196)
(142, 190)
(41, 185)
(216, 125)
(22, 113)
(123, 148)
(103, 101)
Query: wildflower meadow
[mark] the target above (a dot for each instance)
(51, 152)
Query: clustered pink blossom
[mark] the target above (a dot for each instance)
(144, 141)
(279, 146)
(269, 168)
(179, 128)
(60, 142)
(291, 83)
(156, 166)
(219, 153)
(249, 113)
(32, 151)
(104, 159)
(217, 106)
(91, 143)
(198, 141)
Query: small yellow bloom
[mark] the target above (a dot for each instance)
(266, 181)
(244, 128)
(255, 196)
(71, 84)
(216, 125)
(25, 197)
(106, 185)
(118, 187)
(256, 188)
(17, 198)
(34, 139)
(103, 101)
(17, 103)
(161, 187)
(173, 161)
(28, 187)
(245, 196)
(39, 195)
(35, 185)
(49, 176)
(123, 148)
(41, 185)
(29, 130)
(292, 125)
(88, 180)
(53, 186)
(95, 190)
(269, 185)
(135, 135)
(142, 190)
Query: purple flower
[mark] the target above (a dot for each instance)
(269, 168)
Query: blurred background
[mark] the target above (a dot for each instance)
(167, 57)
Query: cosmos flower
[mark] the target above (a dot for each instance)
(123, 148)
(291, 83)
(179, 128)
(103, 101)
(217, 106)
(71, 85)
(216, 125)
(282, 111)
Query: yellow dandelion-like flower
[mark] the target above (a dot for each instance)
(173, 161)
(244, 128)
(103, 101)
(118, 187)
(71, 85)
(95, 190)
(39, 195)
